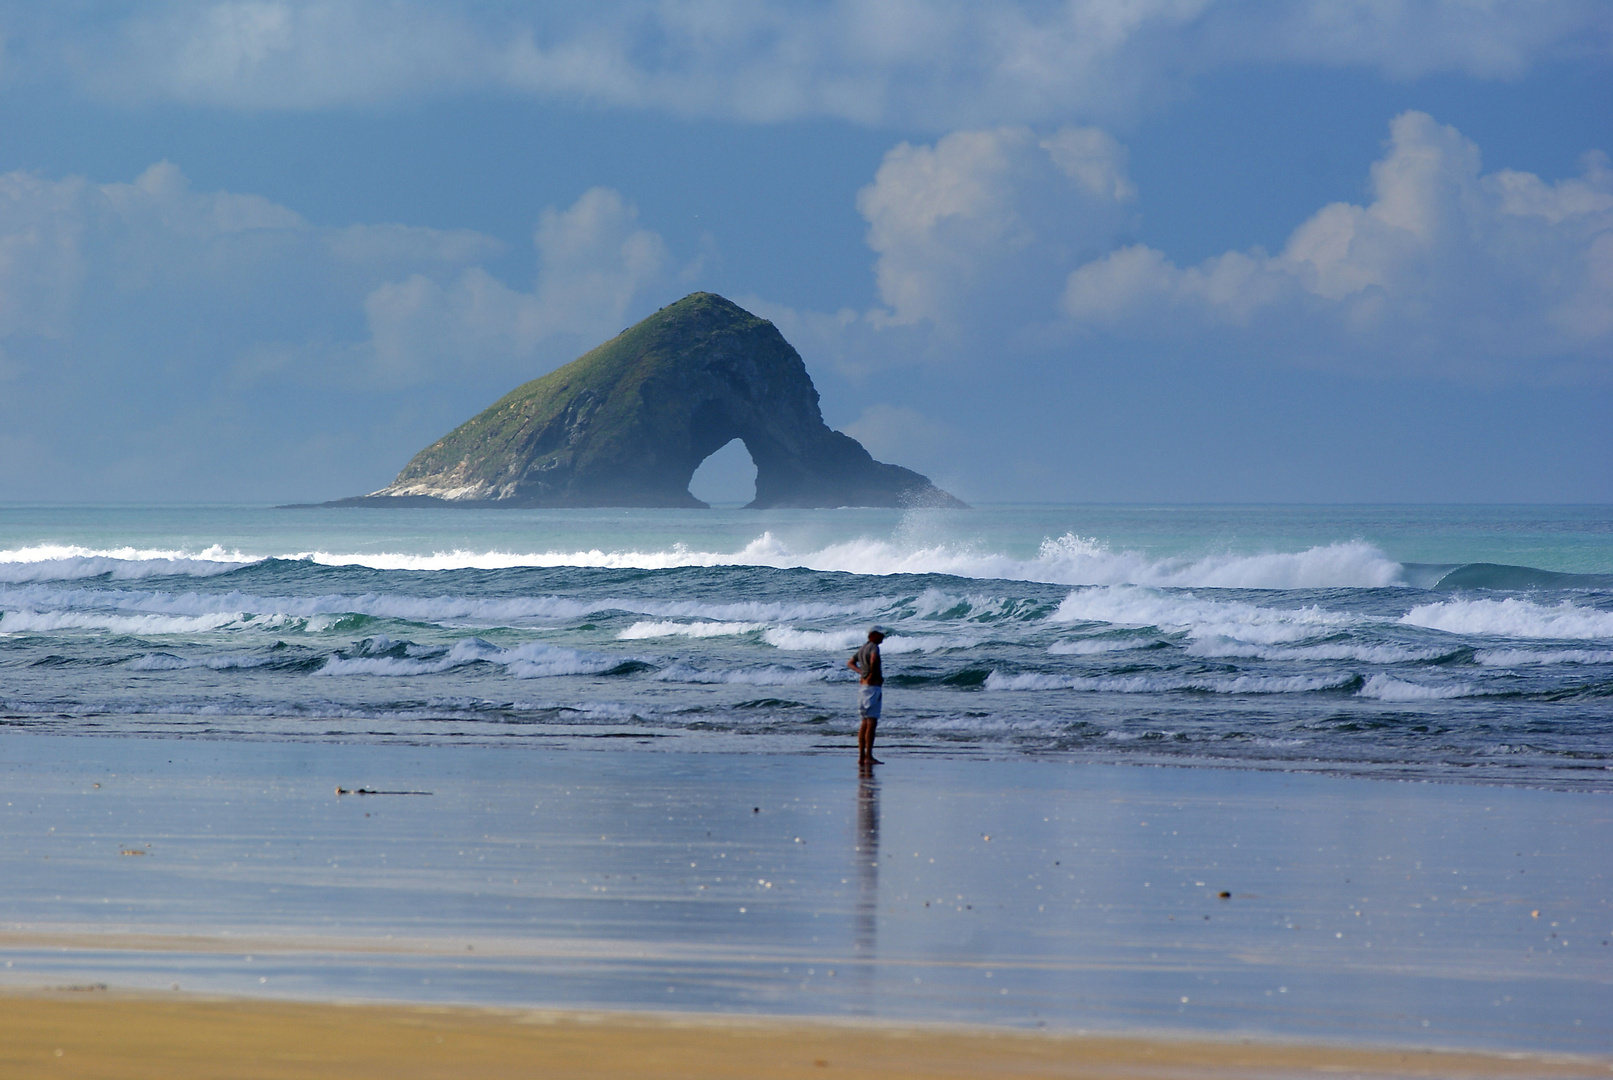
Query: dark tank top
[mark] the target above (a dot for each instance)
(868, 663)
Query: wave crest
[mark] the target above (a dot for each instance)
(1064, 560)
(1157, 684)
(71, 562)
(1513, 618)
(530, 661)
(1199, 618)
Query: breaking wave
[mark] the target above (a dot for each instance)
(1341, 651)
(530, 661)
(1065, 560)
(68, 562)
(1513, 618)
(1231, 620)
(1387, 688)
(663, 628)
(509, 611)
(771, 675)
(44, 622)
(792, 640)
(168, 662)
(1529, 657)
(1096, 646)
(1157, 684)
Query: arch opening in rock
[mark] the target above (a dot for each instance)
(630, 422)
(727, 477)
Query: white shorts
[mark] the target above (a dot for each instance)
(869, 699)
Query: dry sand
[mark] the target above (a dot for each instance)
(88, 1033)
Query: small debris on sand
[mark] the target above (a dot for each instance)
(372, 791)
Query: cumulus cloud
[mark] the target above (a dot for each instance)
(943, 64)
(239, 275)
(948, 221)
(900, 433)
(595, 266)
(141, 321)
(109, 269)
(1449, 270)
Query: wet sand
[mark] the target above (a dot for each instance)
(119, 1036)
(1036, 896)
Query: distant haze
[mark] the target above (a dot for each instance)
(1317, 250)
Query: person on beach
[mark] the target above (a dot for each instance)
(871, 676)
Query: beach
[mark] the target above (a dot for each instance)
(1334, 794)
(177, 881)
(121, 1036)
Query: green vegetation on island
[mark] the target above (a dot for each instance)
(627, 424)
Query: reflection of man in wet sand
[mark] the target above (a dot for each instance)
(872, 676)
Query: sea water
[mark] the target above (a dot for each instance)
(1443, 643)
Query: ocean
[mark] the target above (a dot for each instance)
(1455, 644)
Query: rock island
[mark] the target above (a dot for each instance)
(628, 423)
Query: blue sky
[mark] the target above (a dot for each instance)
(1159, 250)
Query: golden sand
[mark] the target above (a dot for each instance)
(93, 1034)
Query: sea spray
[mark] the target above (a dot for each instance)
(1302, 639)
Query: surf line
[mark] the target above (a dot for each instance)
(372, 791)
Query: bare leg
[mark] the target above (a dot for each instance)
(865, 742)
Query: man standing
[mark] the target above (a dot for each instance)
(872, 677)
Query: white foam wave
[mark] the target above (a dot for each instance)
(772, 675)
(1526, 657)
(45, 622)
(1156, 684)
(69, 562)
(1084, 561)
(934, 604)
(1064, 560)
(445, 609)
(1096, 646)
(1344, 651)
(1232, 620)
(168, 662)
(844, 641)
(1385, 688)
(1513, 618)
(662, 628)
(529, 661)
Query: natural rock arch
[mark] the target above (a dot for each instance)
(727, 477)
(628, 423)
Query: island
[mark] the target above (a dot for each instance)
(629, 422)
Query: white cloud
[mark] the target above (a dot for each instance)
(108, 267)
(944, 64)
(899, 433)
(157, 339)
(1448, 270)
(117, 267)
(1407, 39)
(595, 267)
(975, 220)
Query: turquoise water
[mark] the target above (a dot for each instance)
(1567, 539)
(1453, 643)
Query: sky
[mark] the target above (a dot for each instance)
(1353, 251)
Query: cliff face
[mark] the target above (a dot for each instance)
(628, 423)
